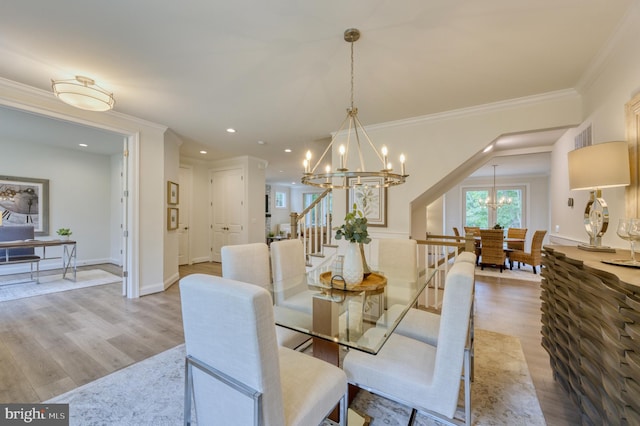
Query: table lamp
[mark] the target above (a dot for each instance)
(605, 165)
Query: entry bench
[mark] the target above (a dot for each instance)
(10, 256)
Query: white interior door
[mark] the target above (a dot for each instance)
(227, 210)
(184, 218)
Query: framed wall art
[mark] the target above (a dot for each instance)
(25, 201)
(173, 193)
(371, 199)
(172, 218)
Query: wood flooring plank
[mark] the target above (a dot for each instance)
(31, 358)
(99, 349)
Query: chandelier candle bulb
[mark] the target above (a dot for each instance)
(384, 155)
(402, 171)
(342, 151)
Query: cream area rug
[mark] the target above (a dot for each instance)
(18, 289)
(151, 392)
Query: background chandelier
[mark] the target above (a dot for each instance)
(342, 177)
(83, 93)
(492, 200)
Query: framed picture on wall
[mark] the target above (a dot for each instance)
(25, 201)
(172, 218)
(173, 193)
(371, 199)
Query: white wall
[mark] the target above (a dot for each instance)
(605, 92)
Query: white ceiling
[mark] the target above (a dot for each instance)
(278, 71)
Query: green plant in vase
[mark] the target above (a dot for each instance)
(354, 230)
(64, 233)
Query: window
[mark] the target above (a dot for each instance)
(507, 216)
(281, 200)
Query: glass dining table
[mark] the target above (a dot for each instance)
(317, 304)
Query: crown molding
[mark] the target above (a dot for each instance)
(476, 110)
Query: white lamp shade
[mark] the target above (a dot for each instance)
(604, 165)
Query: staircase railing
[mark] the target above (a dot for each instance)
(438, 252)
(313, 225)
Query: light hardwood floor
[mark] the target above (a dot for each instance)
(51, 344)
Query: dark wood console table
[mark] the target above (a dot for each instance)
(68, 252)
(591, 329)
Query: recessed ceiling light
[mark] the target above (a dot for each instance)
(293, 183)
(287, 150)
(203, 152)
(281, 171)
(84, 145)
(261, 142)
(230, 130)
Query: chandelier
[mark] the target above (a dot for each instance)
(82, 92)
(492, 200)
(343, 178)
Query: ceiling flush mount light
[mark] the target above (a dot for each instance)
(84, 93)
(492, 200)
(605, 165)
(230, 130)
(342, 177)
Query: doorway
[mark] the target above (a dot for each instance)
(38, 127)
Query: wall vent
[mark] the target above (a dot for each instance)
(583, 138)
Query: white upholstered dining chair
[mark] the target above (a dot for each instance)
(420, 375)
(289, 271)
(249, 263)
(236, 373)
(398, 260)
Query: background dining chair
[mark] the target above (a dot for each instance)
(249, 263)
(418, 374)
(534, 257)
(492, 241)
(289, 271)
(516, 233)
(474, 231)
(235, 370)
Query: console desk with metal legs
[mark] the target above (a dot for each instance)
(68, 253)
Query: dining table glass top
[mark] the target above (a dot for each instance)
(361, 319)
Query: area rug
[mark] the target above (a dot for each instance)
(18, 289)
(150, 392)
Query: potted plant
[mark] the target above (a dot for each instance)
(64, 233)
(354, 230)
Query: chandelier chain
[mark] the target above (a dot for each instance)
(352, 77)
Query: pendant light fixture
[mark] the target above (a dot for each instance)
(492, 200)
(341, 177)
(84, 93)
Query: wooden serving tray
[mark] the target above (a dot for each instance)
(372, 282)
